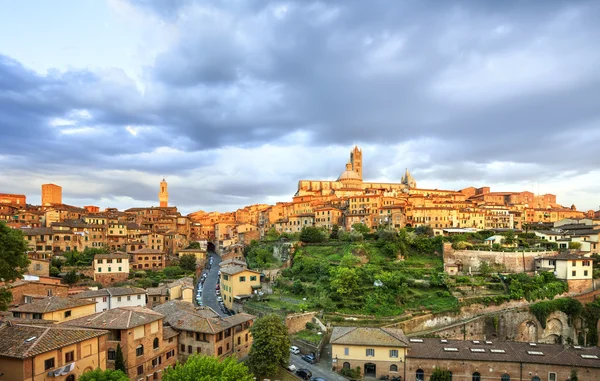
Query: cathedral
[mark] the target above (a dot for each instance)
(350, 182)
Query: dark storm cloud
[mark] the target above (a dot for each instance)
(478, 81)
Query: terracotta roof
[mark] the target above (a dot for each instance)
(110, 291)
(234, 262)
(148, 251)
(22, 341)
(504, 351)
(115, 255)
(169, 332)
(50, 304)
(197, 321)
(369, 336)
(154, 291)
(566, 256)
(234, 269)
(118, 318)
(37, 231)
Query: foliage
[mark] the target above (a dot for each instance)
(260, 256)
(351, 373)
(344, 281)
(574, 376)
(309, 336)
(188, 262)
(172, 271)
(335, 229)
(361, 228)
(509, 237)
(13, 257)
(542, 286)
(311, 234)
(272, 235)
(424, 230)
(194, 245)
(119, 361)
(71, 277)
(440, 375)
(208, 368)
(270, 346)
(104, 375)
(575, 245)
(485, 269)
(571, 307)
(54, 271)
(85, 258)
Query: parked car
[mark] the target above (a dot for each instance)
(217, 287)
(317, 379)
(295, 350)
(304, 374)
(309, 359)
(219, 299)
(292, 368)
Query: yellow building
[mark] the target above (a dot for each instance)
(200, 254)
(376, 351)
(56, 308)
(237, 281)
(33, 353)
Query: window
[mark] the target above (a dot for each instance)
(346, 365)
(505, 377)
(420, 375)
(118, 298)
(70, 356)
(67, 314)
(155, 345)
(112, 354)
(140, 369)
(220, 351)
(36, 316)
(585, 273)
(574, 273)
(253, 278)
(139, 297)
(476, 377)
(346, 351)
(120, 269)
(49, 364)
(394, 353)
(70, 377)
(183, 348)
(370, 352)
(189, 349)
(535, 378)
(104, 298)
(198, 349)
(139, 350)
(242, 279)
(393, 368)
(99, 269)
(552, 376)
(128, 297)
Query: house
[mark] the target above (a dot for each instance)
(156, 296)
(25, 291)
(200, 254)
(148, 259)
(181, 289)
(115, 297)
(55, 308)
(111, 268)
(147, 348)
(575, 269)
(236, 281)
(376, 351)
(205, 332)
(45, 353)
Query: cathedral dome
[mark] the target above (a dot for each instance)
(349, 175)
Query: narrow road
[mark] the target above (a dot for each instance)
(209, 298)
(319, 369)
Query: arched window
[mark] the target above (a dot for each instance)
(346, 365)
(393, 368)
(505, 377)
(112, 354)
(420, 375)
(476, 377)
(156, 343)
(70, 377)
(535, 378)
(139, 350)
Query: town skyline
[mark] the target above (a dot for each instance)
(234, 103)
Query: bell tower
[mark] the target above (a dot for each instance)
(163, 195)
(356, 160)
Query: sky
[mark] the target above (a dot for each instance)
(234, 101)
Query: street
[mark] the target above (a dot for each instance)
(209, 298)
(319, 369)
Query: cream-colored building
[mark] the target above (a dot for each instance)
(56, 308)
(376, 351)
(50, 353)
(111, 268)
(575, 269)
(238, 281)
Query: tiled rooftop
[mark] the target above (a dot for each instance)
(50, 304)
(118, 318)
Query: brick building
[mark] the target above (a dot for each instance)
(25, 291)
(111, 268)
(13, 199)
(51, 194)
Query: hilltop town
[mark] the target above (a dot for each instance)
(371, 280)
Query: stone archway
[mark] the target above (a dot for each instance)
(528, 331)
(210, 247)
(370, 370)
(552, 339)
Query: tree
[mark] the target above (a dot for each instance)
(71, 277)
(509, 238)
(188, 262)
(207, 368)
(194, 245)
(441, 375)
(272, 235)
(574, 245)
(335, 229)
(13, 259)
(119, 362)
(103, 375)
(485, 269)
(361, 228)
(574, 376)
(312, 234)
(345, 281)
(172, 271)
(270, 347)
(424, 230)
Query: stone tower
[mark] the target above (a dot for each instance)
(356, 160)
(163, 195)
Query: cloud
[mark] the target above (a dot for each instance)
(249, 97)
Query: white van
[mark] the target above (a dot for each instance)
(295, 350)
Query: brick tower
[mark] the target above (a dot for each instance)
(163, 195)
(356, 160)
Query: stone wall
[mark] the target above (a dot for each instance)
(513, 262)
(579, 286)
(36, 288)
(83, 270)
(297, 322)
(109, 279)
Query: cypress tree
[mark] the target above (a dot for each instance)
(119, 363)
